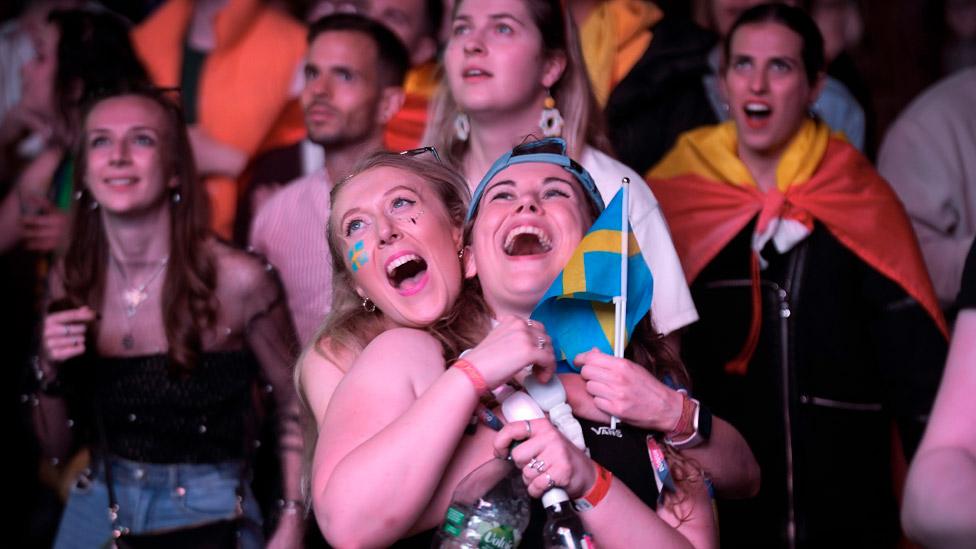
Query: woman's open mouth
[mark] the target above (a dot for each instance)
(527, 240)
(407, 273)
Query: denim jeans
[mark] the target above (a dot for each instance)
(153, 497)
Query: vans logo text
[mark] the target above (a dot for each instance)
(606, 431)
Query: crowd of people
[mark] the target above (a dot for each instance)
(276, 273)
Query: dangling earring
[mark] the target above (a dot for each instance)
(461, 254)
(551, 121)
(177, 197)
(80, 195)
(462, 126)
(368, 305)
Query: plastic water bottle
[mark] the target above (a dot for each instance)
(489, 509)
(564, 528)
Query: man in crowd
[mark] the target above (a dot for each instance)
(354, 73)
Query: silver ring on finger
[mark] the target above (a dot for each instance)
(539, 465)
(529, 323)
(532, 463)
(549, 482)
(540, 343)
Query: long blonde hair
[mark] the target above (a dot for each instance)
(349, 327)
(583, 121)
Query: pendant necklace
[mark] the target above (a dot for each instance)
(133, 297)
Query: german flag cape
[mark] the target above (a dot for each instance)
(708, 196)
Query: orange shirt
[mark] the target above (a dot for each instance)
(245, 91)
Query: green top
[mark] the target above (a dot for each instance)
(193, 60)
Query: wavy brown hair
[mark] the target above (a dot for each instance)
(189, 306)
(95, 56)
(583, 120)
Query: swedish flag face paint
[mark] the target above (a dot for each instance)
(357, 256)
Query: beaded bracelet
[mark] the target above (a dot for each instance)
(685, 423)
(478, 380)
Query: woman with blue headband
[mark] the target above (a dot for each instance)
(432, 411)
(514, 69)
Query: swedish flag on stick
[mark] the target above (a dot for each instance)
(580, 308)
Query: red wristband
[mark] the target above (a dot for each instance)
(685, 423)
(597, 492)
(478, 380)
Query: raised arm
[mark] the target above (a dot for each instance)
(63, 338)
(395, 421)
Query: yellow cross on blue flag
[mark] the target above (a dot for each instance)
(578, 309)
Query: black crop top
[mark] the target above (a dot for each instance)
(152, 416)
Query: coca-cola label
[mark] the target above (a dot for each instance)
(500, 537)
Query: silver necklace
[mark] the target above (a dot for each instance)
(133, 297)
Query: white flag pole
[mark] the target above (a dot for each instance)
(620, 301)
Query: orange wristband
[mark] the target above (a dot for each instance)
(478, 380)
(597, 492)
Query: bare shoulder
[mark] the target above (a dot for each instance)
(242, 274)
(319, 373)
(403, 343)
(403, 352)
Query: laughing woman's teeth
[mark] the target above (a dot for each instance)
(544, 241)
(120, 181)
(402, 260)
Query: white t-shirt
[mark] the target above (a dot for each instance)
(671, 304)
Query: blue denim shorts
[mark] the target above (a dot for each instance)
(154, 497)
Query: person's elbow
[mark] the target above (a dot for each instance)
(939, 507)
(746, 480)
(753, 478)
(927, 528)
(744, 484)
(344, 526)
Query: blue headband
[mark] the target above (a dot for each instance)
(539, 151)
